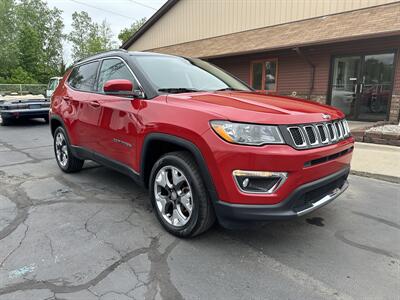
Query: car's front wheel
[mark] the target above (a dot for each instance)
(62, 150)
(179, 197)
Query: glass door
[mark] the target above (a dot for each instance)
(376, 87)
(345, 80)
(362, 85)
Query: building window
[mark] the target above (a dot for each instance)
(264, 74)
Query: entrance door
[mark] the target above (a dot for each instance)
(362, 85)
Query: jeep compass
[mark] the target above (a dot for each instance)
(206, 145)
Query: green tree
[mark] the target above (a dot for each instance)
(39, 38)
(126, 33)
(88, 37)
(19, 75)
(30, 40)
(8, 44)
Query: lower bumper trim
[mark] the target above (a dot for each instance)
(302, 201)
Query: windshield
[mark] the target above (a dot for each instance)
(176, 74)
(52, 84)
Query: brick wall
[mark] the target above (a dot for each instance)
(294, 74)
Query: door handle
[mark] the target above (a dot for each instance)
(66, 98)
(94, 103)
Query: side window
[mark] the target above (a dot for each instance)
(83, 77)
(114, 69)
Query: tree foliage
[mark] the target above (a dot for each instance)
(30, 41)
(88, 37)
(126, 33)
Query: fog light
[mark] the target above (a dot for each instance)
(246, 182)
(259, 182)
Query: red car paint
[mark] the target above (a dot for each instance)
(95, 121)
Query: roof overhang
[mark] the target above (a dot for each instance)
(154, 18)
(379, 21)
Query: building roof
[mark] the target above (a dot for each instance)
(376, 21)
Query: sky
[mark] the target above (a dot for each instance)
(118, 13)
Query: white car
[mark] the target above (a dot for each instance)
(53, 83)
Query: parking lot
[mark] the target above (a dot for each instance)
(93, 235)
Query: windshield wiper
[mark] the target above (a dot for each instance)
(178, 90)
(227, 89)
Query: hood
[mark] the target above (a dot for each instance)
(254, 107)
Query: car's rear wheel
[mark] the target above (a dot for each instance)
(62, 150)
(4, 121)
(179, 197)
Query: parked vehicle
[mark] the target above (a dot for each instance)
(51, 87)
(205, 144)
(14, 106)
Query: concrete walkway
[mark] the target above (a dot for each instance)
(378, 161)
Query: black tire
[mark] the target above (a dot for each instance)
(5, 121)
(72, 163)
(46, 119)
(203, 215)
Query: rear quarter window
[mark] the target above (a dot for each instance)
(83, 77)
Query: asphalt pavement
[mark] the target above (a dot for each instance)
(93, 235)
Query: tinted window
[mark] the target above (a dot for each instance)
(83, 77)
(114, 69)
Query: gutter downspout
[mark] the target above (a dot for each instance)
(308, 61)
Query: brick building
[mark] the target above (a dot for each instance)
(343, 53)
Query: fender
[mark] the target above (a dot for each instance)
(187, 145)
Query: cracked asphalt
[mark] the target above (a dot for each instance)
(93, 235)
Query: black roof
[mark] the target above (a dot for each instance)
(117, 52)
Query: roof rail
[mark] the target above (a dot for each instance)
(99, 53)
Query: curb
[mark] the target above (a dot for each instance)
(392, 179)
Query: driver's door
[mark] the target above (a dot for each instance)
(118, 126)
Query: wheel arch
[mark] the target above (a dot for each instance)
(157, 144)
(56, 121)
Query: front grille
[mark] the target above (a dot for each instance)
(297, 136)
(327, 158)
(322, 133)
(331, 132)
(307, 136)
(312, 138)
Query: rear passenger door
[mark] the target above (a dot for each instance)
(84, 107)
(119, 122)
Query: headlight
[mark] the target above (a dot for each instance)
(247, 134)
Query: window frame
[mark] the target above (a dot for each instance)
(129, 69)
(263, 83)
(96, 83)
(95, 79)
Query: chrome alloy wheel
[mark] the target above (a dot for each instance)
(61, 149)
(173, 196)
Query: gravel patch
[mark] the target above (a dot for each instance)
(385, 128)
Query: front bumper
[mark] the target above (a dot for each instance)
(301, 201)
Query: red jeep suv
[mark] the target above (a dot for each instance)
(205, 144)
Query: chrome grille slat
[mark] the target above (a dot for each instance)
(332, 132)
(297, 136)
(311, 135)
(306, 136)
(323, 133)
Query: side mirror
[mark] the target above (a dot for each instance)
(121, 87)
